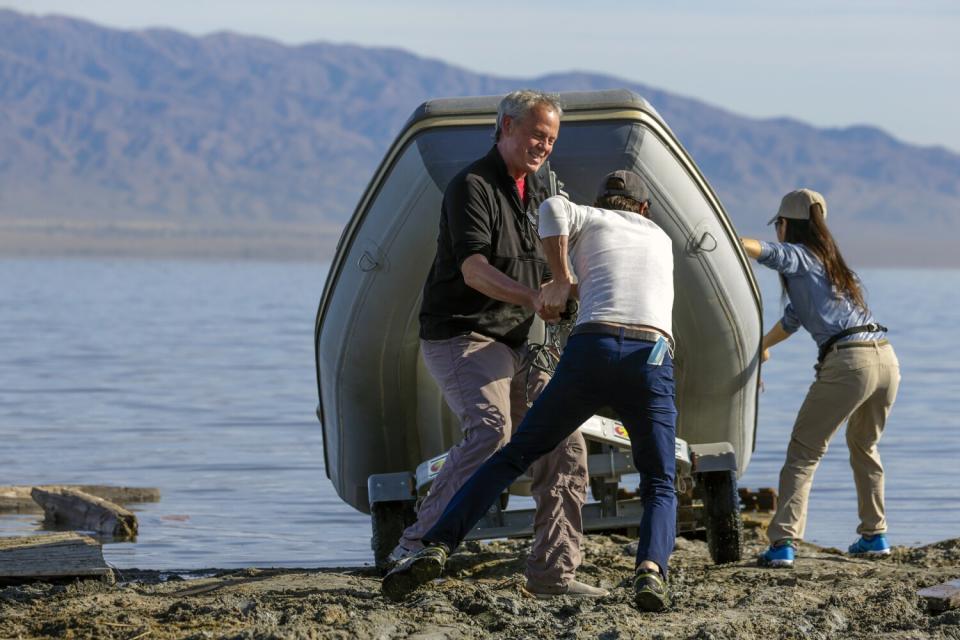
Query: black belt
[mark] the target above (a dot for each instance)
(862, 345)
(613, 330)
(873, 327)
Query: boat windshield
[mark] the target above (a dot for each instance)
(584, 153)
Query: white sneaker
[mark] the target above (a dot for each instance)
(400, 553)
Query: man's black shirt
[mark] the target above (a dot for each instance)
(482, 213)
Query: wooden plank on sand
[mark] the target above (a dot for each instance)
(51, 556)
(942, 596)
(76, 509)
(17, 499)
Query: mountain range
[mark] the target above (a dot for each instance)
(158, 142)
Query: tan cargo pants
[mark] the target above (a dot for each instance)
(858, 383)
(484, 382)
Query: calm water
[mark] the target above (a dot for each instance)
(197, 378)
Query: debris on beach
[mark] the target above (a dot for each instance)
(51, 557)
(942, 597)
(18, 498)
(72, 508)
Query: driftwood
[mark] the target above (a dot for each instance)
(17, 499)
(75, 509)
(52, 556)
(942, 596)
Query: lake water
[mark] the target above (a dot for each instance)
(198, 378)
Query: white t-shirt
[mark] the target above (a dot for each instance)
(623, 262)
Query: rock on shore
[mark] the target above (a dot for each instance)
(826, 596)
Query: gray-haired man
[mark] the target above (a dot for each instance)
(479, 301)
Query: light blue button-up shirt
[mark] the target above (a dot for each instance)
(814, 303)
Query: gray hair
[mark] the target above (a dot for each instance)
(518, 104)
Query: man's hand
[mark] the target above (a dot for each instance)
(536, 303)
(765, 355)
(554, 295)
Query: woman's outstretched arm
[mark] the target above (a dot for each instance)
(751, 246)
(776, 335)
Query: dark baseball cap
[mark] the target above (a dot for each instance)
(624, 183)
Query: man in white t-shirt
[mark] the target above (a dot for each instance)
(617, 356)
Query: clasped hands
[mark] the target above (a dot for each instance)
(552, 300)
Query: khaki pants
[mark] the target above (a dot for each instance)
(859, 384)
(485, 383)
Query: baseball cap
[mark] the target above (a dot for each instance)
(624, 183)
(796, 205)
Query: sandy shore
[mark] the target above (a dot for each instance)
(827, 595)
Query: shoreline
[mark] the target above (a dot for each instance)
(826, 595)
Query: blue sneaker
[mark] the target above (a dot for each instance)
(780, 554)
(876, 545)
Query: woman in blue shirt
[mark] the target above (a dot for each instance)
(857, 373)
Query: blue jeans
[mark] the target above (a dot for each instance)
(595, 371)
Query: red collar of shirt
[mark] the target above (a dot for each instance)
(522, 189)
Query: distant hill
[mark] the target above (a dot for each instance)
(159, 142)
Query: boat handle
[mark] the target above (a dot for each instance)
(706, 243)
(367, 262)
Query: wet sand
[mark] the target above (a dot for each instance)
(827, 595)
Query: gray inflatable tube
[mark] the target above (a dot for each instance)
(379, 408)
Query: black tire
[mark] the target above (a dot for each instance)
(721, 505)
(388, 520)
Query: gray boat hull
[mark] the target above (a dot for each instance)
(381, 411)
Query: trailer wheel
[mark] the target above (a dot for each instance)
(388, 520)
(722, 509)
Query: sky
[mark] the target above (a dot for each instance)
(888, 63)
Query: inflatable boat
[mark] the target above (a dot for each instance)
(385, 425)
